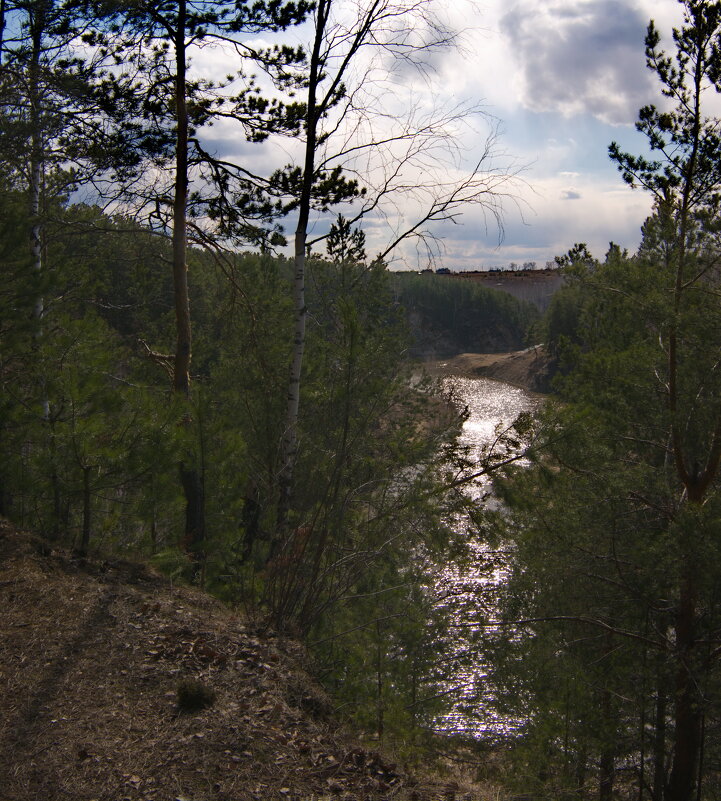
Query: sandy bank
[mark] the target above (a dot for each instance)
(529, 369)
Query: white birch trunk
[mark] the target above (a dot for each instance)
(289, 446)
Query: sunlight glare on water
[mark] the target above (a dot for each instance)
(490, 404)
(468, 591)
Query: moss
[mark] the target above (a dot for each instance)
(193, 696)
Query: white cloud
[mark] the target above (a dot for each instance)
(558, 74)
(580, 57)
(601, 212)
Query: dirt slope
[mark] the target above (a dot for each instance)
(529, 369)
(91, 655)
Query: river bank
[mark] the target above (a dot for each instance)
(530, 369)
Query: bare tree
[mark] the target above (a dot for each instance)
(359, 151)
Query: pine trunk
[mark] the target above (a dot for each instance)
(190, 475)
(85, 541)
(659, 746)
(688, 713)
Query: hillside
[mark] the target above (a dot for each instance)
(91, 657)
(447, 317)
(530, 369)
(530, 286)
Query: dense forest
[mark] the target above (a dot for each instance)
(176, 389)
(447, 317)
(613, 586)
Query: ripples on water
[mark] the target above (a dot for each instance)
(469, 591)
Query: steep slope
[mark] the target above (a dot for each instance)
(531, 369)
(91, 657)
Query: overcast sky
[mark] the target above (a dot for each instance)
(562, 79)
(565, 78)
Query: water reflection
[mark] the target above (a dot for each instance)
(468, 591)
(490, 404)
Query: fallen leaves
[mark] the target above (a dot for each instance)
(101, 663)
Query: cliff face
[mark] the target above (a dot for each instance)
(532, 286)
(92, 654)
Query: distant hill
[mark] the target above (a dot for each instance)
(530, 286)
(449, 316)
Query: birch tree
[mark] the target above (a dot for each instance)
(59, 130)
(351, 154)
(64, 124)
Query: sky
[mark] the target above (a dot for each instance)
(566, 78)
(558, 81)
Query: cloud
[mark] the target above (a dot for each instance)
(605, 211)
(562, 75)
(580, 57)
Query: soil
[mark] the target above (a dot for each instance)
(530, 369)
(92, 654)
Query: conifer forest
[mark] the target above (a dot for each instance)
(205, 368)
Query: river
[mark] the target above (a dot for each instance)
(468, 591)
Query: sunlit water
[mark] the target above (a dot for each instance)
(469, 591)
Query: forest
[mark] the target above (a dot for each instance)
(178, 389)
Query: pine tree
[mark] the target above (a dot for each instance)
(686, 183)
(227, 194)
